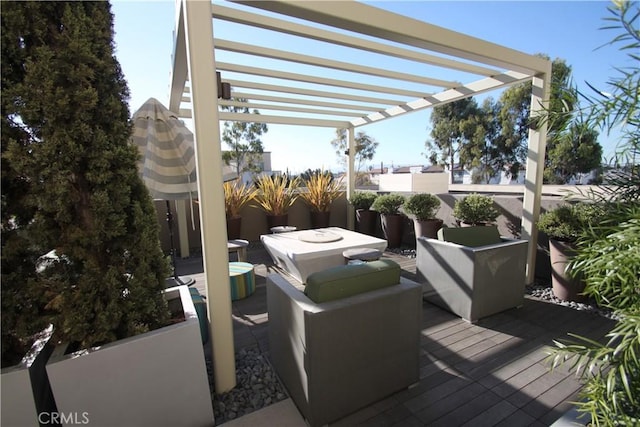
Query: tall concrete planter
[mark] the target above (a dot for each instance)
(427, 228)
(564, 286)
(393, 228)
(366, 221)
(26, 395)
(158, 378)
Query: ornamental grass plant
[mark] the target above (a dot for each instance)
(237, 195)
(276, 194)
(321, 191)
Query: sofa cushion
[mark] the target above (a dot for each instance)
(471, 236)
(348, 280)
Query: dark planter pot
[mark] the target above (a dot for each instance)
(393, 228)
(319, 219)
(564, 286)
(428, 228)
(366, 221)
(276, 220)
(234, 225)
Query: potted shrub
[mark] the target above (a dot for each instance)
(103, 287)
(424, 207)
(388, 205)
(236, 196)
(563, 226)
(275, 195)
(475, 209)
(366, 218)
(321, 190)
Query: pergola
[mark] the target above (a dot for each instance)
(392, 43)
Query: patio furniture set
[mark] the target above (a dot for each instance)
(333, 301)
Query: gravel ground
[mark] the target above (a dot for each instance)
(257, 386)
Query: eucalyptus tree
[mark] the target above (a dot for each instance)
(457, 135)
(243, 138)
(365, 150)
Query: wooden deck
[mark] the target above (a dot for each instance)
(492, 373)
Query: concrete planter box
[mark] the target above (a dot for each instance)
(25, 388)
(158, 378)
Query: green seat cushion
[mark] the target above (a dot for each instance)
(471, 236)
(348, 280)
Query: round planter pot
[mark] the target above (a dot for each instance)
(428, 228)
(366, 221)
(564, 286)
(319, 219)
(234, 225)
(276, 220)
(393, 227)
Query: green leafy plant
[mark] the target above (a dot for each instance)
(363, 199)
(567, 222)
(424, 206)
(388, 204)
(321, 190)
(608, 251)
(276, 194)
(236, 197)
(475, 209)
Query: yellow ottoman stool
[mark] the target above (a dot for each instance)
(243, 280)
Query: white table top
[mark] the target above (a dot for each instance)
(297, 249)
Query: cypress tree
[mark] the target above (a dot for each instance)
(86, 198)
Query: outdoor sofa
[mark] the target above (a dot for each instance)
(472, 271)
(356, 344)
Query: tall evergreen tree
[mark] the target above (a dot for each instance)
(67, 99)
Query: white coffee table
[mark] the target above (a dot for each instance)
(303, 252)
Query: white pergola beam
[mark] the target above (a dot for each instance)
(300, 101)
(287, 27)
(283, 120)
(311, 92)
(329, 63)
(350, 16)
(451, 95)
(287, 108)
(305, 78)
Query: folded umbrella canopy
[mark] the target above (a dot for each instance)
(168, 165)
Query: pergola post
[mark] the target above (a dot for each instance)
(351, 178)
(535, 169)
(204, 93)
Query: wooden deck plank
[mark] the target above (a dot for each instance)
(493, 372)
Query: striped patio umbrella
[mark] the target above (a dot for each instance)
(167, 165)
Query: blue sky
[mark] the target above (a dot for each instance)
(567, 30)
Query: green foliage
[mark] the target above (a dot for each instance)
(363, 199)
(608, 251)
(424, 206)
(475, 209)
(243, 139)
(83, 196)
(388, 204)
(609, 257)
(276, 193)
(321, 190)
(567, 222)
(237, 196)
(365, 146)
